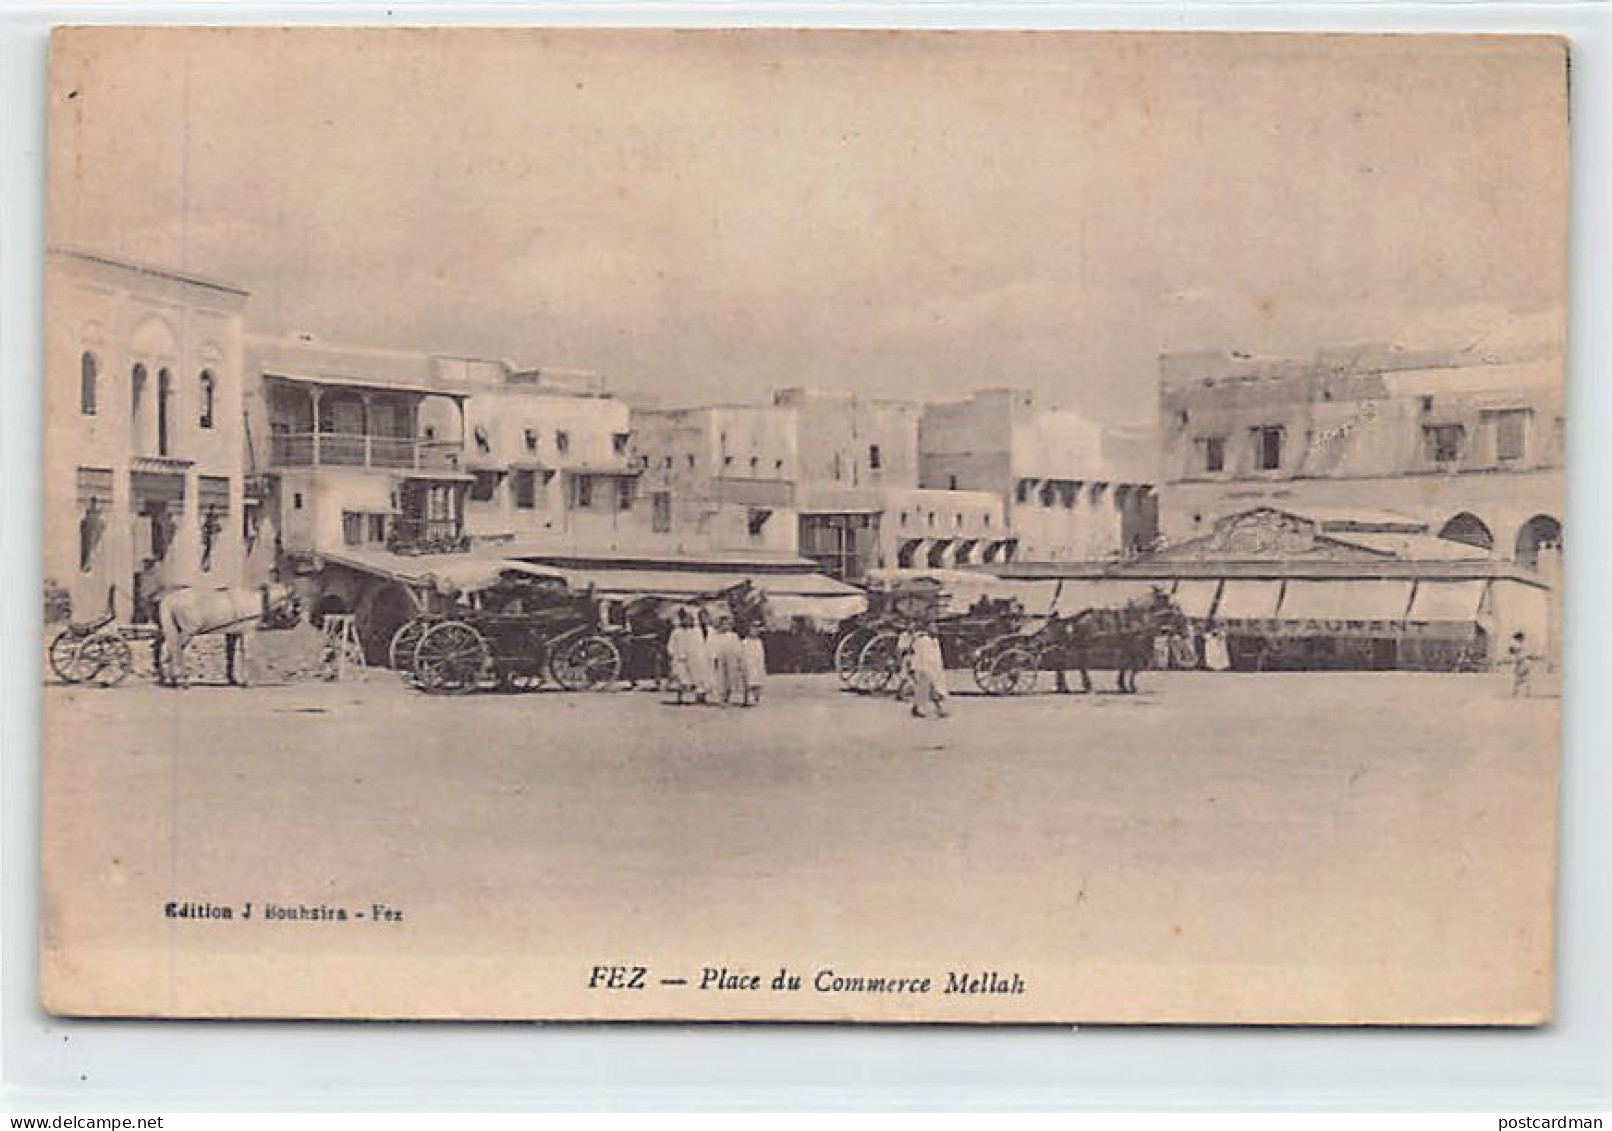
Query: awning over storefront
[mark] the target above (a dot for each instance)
(1248, 600)
(1196, 597)
(694, 582)
(1346, 600)
(1447, 601)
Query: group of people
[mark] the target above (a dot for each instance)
(1189, 651)
(715, 660)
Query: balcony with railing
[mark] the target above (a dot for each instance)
(350, 449)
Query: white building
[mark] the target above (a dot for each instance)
(144, 455)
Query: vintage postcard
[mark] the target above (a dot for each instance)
(801, 525)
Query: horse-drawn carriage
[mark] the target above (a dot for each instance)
(100, 651)
(504, 624)
(959, 608)
(982, 624)
(97, 651)
(1121, 638)
(516, 627)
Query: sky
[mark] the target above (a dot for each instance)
(710, 216)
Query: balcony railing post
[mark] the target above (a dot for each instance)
(316, 447)
(368, 450)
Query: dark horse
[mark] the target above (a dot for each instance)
(1126, 634)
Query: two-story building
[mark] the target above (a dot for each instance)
(144, 456)
(1466, 441)
(1071, 490)
(860, 504)
(720, 478)
(356, 453)
(549, 454)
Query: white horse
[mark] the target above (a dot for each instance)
(185, 614)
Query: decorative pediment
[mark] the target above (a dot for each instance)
(1266, 534)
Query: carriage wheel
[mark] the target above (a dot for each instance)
(984, 658)
(1012, 672)
(450, 658)
(64, 655)
(400, 652)
(105, 658)
(878, 666)
(847, 652)
(588, 664)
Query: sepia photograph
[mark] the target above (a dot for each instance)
(797, 525)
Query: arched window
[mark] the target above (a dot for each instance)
(88, 371)
(209, 389)
(165, 389)
(1468, 528)
(137, 398)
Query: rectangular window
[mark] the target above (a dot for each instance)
(352, 528)
(526, 490)
(562, 442)
(1212, 454)
(1443, 443)
(483, 486)
(584, 488)
(618, 442)
(661, 517)
(875, 458)
(529, 437)
(377, 528)
(1268, 448)
(1511, 434)
(624, 494)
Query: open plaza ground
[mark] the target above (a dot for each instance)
(1314, 840)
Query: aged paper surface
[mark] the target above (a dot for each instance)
(975, 527)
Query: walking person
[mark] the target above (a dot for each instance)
(1216, 652)
(1522, 661)
(682, 649)
(928, 672)
(753, 657)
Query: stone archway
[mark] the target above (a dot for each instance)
(1468, 529)
(1541, 532)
